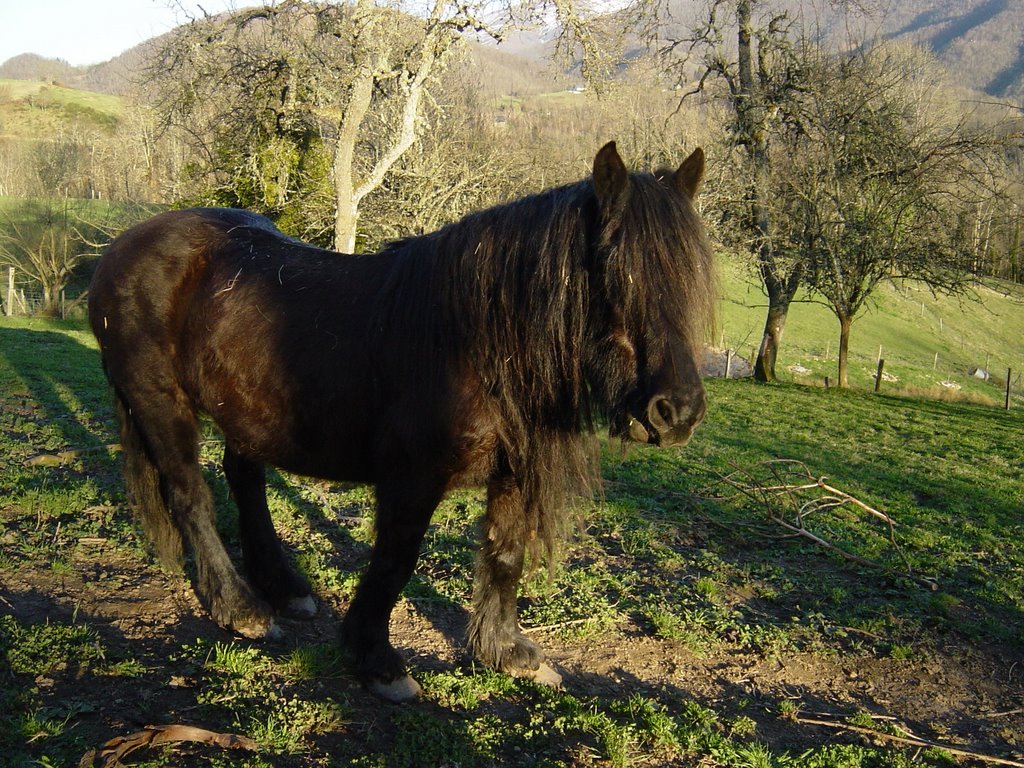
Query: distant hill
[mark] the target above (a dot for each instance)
(502, 72)
(981, 42)
(32, 109)
(29, 66)
(502, 68)
(114, 77)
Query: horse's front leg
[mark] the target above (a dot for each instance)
(403, 513)
(494, 634)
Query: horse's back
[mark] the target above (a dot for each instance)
(267, 335)
(145, 274)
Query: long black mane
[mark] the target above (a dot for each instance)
(516, 291)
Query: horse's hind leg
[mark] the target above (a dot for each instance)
(494, 634)
(265, 562)
(164, 419)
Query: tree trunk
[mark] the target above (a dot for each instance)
(346, 213)
(767, 353)
(844, 349)
(437, 39)
(750, 120)
(50, 305)
(780, 296)
(346, 217)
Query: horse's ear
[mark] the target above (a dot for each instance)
(691, 173)
(610, 176)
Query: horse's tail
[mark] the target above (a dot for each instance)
(143, 483)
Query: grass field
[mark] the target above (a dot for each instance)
(925, 339)
(692, 628)
(34, 110)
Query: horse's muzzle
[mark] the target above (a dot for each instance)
(665, 420)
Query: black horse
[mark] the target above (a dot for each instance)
(478, 354)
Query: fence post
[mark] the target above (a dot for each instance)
(9, 307)
(878, 376)
(1006, 405)
(728, 363)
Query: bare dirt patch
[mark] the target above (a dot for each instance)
(968, 696)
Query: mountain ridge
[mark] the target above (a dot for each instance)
(980, 42)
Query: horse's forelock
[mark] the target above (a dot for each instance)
(663, 264)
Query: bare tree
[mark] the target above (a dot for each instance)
(760, 74)
(292, 102)
(881, 181)
(45, 240)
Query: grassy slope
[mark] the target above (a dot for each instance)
(985, 328)
(660, 557)
(34, 110)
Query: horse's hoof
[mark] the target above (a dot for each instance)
(259, 628)
(545, 674)
(397, 691)
(300, 607)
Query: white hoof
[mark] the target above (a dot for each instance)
(301, 607)
(545, 674)
(397, 691)
(259, 629)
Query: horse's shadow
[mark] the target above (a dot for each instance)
(339, 519)
(59, 382)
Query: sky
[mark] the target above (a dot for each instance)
(91, 31)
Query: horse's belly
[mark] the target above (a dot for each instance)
(327, 443)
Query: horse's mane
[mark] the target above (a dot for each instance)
(511, 292)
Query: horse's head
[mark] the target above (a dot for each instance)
(653, 270)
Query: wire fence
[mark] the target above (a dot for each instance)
(21, 296)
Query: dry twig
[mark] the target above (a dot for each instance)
(785, 499)
(558, 625)
(911, 740)
(111, 753)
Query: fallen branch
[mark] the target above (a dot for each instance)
(111, 753)
(786, 494)
(913, 741)
(559, 625)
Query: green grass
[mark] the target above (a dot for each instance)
(32, 110)
(669, 553)
(984, 329)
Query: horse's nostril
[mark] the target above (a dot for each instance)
(662, 413)
(668, 413)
